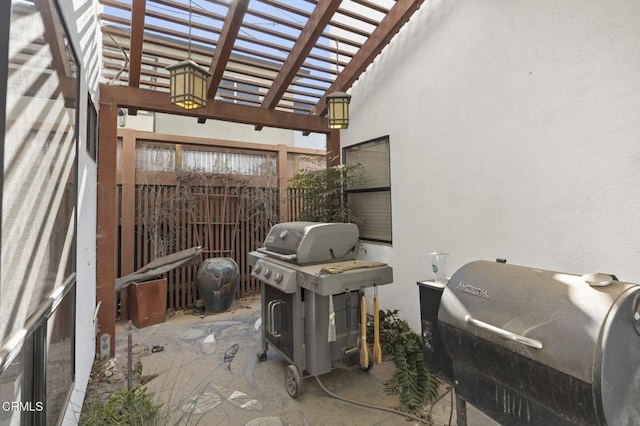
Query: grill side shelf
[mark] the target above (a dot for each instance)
(314, 279)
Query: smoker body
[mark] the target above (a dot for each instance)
(531, 346)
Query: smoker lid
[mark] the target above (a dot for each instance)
(312, 242)
(551, 317)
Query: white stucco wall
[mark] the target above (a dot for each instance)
(215, 129)
(189, 126)
(81, 19)
(515, 133)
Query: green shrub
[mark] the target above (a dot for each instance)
(322, 193)
(133, 408)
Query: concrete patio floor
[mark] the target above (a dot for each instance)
(207, 373)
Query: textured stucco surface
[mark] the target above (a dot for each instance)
(514, 132)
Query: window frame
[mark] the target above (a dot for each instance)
(371, 189)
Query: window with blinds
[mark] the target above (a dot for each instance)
(369, 195)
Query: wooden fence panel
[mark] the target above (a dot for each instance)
(213, 217)
(229, 215)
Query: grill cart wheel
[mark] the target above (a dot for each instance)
(262, 356)
(292, 380)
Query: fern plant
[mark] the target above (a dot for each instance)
(415, 385)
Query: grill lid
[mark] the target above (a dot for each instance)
(550, 317)
(312, 242)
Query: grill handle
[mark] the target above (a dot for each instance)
(504, 333)
(277, 255)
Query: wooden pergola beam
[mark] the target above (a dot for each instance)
(380, 37)
(230, 30)
(316, 24)
(137, 36)
(152, 100)
(333, 148)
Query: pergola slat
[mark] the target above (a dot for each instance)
(137, 33)
(389, 26)
(230, 30)
(315, 26)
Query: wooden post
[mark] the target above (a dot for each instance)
(128, 203)
(178, 165)
(283, 183)
(106, 223)
(333, 148)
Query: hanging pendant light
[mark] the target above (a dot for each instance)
(188, 81)
(188, 84)
(338, 104)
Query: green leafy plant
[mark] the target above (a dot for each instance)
(415, 385)
(125, 407)
(322, 193)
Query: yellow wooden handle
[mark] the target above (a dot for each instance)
(364, 353)
(377, 350)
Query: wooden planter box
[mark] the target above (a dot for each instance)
(148, 302)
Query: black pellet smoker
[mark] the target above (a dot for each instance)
(528, 346)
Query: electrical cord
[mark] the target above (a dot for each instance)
(126, 59)
(367, 405)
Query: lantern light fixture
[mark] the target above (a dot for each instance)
(188, 81)
(338, 105)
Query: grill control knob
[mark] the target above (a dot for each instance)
(267, 273)
(278, 277)
(257, 269)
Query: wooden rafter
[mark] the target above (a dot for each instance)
(137, 32)
(371, 5)
(306, 41)
(358, 17)
(299, 27)
(380, 37)
(230, 30)
(137, 35)
(274, 56)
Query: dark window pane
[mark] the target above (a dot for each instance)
(369, 196)
(374, 210)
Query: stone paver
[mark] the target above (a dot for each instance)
(207, 373)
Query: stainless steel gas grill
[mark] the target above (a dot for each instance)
(531, 346)
(306, 268)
